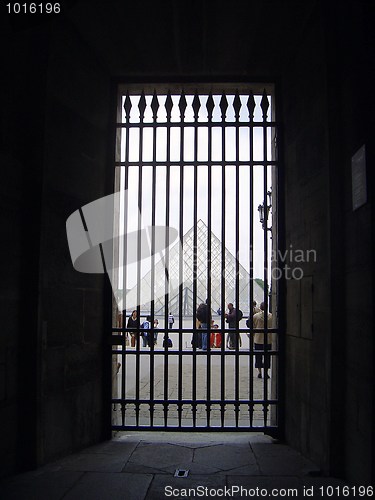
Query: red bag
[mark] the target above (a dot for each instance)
(217, 342)
(215, 339)
(212, 340)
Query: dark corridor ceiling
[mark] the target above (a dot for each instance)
(193, 38)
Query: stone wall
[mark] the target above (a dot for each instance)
(351, 78)
(55, 109)
(330, 367)
(71, 303)
(307, 227)
(24, 61)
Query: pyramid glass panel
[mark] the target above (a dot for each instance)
(201, 282)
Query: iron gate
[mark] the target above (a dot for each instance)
(197, 169)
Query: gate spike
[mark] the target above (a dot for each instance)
(155, 105)
(127, 105)
(182, 105)
(264, 104)
(237, 105)
(169, 105)
(210, 106)
(142, 106)
(196, 105)
(223, 105)
(251, 105)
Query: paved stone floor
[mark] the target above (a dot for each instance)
(137, 466)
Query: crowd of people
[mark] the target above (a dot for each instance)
(207, 332)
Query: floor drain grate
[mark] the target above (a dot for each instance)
(181, 473)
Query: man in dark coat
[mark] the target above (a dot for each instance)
(204, 318)
(232, 318)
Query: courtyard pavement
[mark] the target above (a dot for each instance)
(142, 466)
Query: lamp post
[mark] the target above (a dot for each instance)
(264, 210)
(269, 194)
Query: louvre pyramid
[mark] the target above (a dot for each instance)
(184, 255)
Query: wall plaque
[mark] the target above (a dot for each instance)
(359, 188)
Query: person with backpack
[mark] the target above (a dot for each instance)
(249, 321)
(233, 317)
(156, 327)
(146, 333)
(262, 360)
(204, 318)
(170, 320)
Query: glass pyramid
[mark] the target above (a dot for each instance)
(175, 273)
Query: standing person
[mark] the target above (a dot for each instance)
(170, 320)
(146, 333)
(196, 340)
(233, 317)
(258, 323)
(133, 326)
(156, 326)
(249, 320)
(204, 318)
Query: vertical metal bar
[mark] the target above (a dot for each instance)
(182, 107)
(166, 302)
(223, 251)
(125, 253)
(155, 106)
(127, 108)
(237, 261)
(195, 251)
(251, 106)
(180, 268)
(166, 295)
(168, 107)
(142, 105)
(209, 262)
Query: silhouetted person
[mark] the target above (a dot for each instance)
(133, 326)
(146, 334)
(249, 320)
(232, 318)
(156, 326)
(170, 320)
(258, 323)
(204, 318)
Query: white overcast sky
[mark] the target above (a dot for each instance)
(216, 180)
